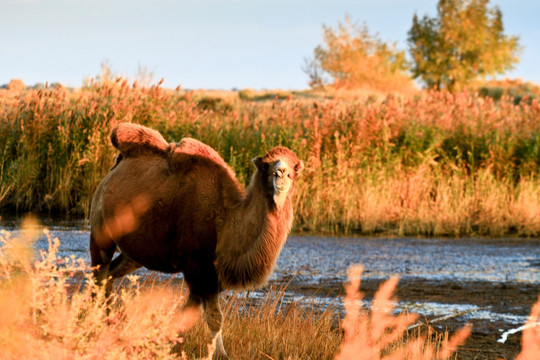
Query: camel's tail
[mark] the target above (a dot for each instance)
(134, 140)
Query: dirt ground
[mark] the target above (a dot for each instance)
(507, 298)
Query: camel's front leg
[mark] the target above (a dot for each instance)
(204, 288)
(214, 319)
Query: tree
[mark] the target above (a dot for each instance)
(16, 85)
(466, 41)
(352, 57)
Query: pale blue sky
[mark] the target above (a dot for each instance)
(208, 43)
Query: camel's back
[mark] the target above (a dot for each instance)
(135, 140)
(204, 164)
(189, 171)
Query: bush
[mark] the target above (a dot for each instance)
(16, 85)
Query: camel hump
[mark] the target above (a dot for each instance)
(189, 150)
(133, 140)
(192, 146)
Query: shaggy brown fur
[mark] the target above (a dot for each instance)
(179, 208)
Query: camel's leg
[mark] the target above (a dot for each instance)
(101, 260)
(120, 266)
(203, 286)
(190, 311)
(193, 302)
(214, 319)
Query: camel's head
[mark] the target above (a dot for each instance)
(279, 169)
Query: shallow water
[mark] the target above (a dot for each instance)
(317, 259)
(314, 260)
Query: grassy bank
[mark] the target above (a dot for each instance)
(51, 309)
(433, 164)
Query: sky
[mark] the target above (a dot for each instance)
(209, 44)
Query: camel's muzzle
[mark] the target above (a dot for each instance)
(280, 174)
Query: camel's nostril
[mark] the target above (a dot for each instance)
(279, 173)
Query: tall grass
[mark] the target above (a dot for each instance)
(432, 164)
(51, 308)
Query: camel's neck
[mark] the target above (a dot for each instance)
(251, 239)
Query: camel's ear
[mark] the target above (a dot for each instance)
(299, 167)
(260, 164)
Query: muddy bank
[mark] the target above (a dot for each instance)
(492, 309)
(497, 308)
(489, 283)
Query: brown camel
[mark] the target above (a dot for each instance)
(179, 208)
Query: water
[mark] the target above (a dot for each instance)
(317, 259)
(314, 260)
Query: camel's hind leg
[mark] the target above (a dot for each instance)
(120, 267)
(101, 260)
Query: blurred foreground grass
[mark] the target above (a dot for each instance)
(51, 308)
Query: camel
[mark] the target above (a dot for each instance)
(178, 207)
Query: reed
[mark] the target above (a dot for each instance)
(530, 340)
(432, 164)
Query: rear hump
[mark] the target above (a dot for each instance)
(134, 140)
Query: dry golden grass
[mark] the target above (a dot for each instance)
(420, 201)
(52, 309)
